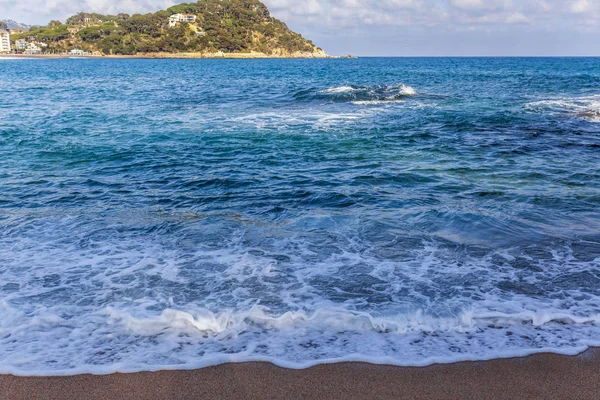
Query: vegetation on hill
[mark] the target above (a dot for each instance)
(221, 25)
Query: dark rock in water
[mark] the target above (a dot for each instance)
(591, 114)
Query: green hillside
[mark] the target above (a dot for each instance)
(229, 26)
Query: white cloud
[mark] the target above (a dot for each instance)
(517, 18)
(341, 13)
(581, 6)
(481, 4)
(427, 13)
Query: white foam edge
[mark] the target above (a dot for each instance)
(222, 323)
(217, 360)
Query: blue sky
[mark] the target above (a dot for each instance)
(395, 27)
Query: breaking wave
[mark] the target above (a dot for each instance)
(175, 339)
(359, 94)
(236, 323)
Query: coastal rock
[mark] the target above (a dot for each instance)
(591, 114)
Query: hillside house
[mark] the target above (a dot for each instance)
(32, 48)
(78, 52)
(177, 18)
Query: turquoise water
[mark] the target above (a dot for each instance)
(162, 214)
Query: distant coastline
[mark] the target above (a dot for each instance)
(252, 55)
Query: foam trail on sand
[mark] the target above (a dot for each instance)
(293, 339)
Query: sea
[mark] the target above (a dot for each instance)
(178, 214)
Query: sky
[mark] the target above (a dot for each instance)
(394, 27)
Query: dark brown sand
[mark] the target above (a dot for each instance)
(542, 376)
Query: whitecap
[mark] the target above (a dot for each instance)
(407, 90)
(340, 89)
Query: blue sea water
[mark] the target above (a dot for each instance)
(170, 214)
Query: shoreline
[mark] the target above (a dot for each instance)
(540, 376)
(190, 56)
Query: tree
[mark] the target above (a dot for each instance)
(90, 33)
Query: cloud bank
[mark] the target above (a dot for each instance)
(395, 27)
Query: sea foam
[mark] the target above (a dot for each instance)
(178, 339)
(407, 90)
(124, 305)
(587, 107)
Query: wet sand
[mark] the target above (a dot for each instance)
(543, 376)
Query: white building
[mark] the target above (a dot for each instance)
(177, 18)
(33, 48)
(4, 41)
(78, 52)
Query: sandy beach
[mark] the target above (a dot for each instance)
(543, 376)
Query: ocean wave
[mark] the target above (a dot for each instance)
(231, 219)
(587, 108)
(401, 89)
(123, 340)
(336, 318)
(407, 90)
(221, 293)
(358, 94)
(229, 288)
